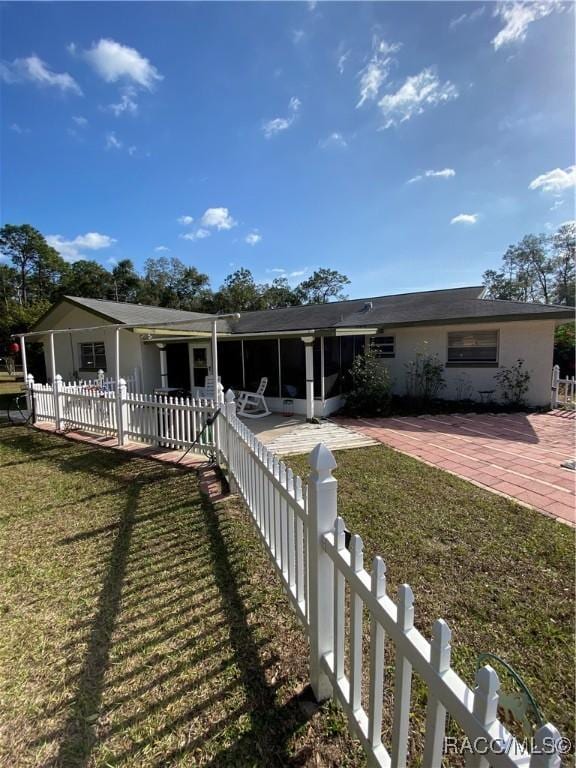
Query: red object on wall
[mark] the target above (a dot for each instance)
(13, 348)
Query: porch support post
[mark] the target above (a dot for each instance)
(215, 361)
(117, 357)
(163, 365)
(52, 357)
(23, 353)
(308, 343)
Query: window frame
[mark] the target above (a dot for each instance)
(479, 363)
(375, 345)
(93, 344)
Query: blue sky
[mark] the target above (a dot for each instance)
(404, 144)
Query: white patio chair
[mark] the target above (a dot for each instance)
(252, 405)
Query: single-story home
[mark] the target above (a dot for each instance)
(305, 352)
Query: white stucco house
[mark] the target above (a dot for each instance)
(305, 352)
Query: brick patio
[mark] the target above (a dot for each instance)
(515, 455)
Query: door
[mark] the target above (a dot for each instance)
(199, 364)
(178, 366)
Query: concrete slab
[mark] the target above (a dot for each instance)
(291, 435)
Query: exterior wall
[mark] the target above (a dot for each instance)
(67, 345)
(531, 341)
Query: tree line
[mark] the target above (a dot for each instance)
(539, 268)
(33, 276)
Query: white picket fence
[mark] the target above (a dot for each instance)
(305, 540)
(179, 423)
(563, 390)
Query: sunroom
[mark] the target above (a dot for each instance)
(307, 375)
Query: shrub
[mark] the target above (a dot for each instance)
(424, 377)
(370, 393)
(513, 383)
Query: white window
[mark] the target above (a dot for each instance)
(92, 356)
(473, 348)
(384, 346)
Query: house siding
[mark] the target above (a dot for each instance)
(67, 347)
(531, 341)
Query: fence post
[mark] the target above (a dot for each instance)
(322, 510)
(57, 391)
(555, 382)
(121, 409)
(229, 414)
(30, 396)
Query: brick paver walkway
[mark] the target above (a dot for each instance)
(516, 455)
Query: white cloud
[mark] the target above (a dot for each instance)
(253, 238)
(185, 220)
(80, 121)
(465, 218)
(279, 124)
(377, 69)
(312, 4)
(297, 36)
(113, 62)
(467, 17)
(218, 218)
(126, 104)
(32, 69)
(335, 140)
(71, 250)
(517, 17)
(557, 204)
(342, 59)
(445, 173)
(417, 93)
(112, 141)
(161, 249)
(132, 150)
(200, 234)
(556, 181)
(16, 128)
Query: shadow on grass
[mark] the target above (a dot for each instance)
(177, 660)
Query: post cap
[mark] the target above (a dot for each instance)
(322, 460)
(229, 396)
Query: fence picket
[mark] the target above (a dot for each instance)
(440, 651)
(356, 607)
(376, 658)
(403, 681)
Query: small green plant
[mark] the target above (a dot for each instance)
(424, 377)
(370, 393)
(513, 383)
(463, 387)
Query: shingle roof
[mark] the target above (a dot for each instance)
(123, 312)
(448, 305)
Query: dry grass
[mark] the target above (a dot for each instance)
(141, 627)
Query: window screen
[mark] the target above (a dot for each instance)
(473, 347)
(384, 346)
(92, 356)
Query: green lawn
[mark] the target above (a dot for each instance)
(140, 626)
(501, 575)
(8, 390)
(143, 627)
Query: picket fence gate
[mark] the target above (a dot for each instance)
(306, 542)
(563, 390)
(179, 423)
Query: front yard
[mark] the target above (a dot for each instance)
(141, 627)
(500, 574)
